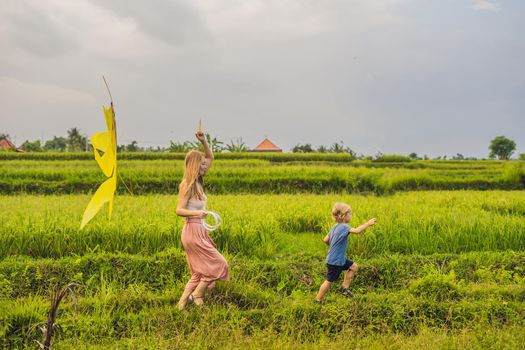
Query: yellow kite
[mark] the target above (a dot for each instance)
(105, 149)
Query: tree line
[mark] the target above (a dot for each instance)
(73, 142)
(500, 147)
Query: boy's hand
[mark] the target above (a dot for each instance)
(371, 222)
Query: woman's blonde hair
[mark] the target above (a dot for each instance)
(191, 180)
(339, 211)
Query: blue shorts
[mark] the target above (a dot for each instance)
(334, 271)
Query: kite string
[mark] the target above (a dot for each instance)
(107, 87)
(122, 180)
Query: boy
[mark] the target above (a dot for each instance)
(337, 239)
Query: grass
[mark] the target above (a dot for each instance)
(441, 269)
(124, 299)
(417, 222)
(263, 176)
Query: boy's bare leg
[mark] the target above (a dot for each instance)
(323, 290)
(349, 274)
(198, 294)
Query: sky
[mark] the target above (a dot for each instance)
(435, 77)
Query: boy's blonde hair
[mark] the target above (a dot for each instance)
(339, 211)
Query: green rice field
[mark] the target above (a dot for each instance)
(444, 268)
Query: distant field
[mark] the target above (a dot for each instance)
(442, 269)
(256, 173)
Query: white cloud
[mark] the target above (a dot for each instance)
(282, 20)
(299, 71)
(486, 5)
(32, 109)
(13, 90)
(52, 28)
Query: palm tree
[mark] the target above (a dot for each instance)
(75, 140)
(237, 146)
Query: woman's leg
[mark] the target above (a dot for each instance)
(192, 284)
(184, 298)
(198, 294)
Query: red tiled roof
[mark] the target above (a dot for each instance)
(5, 143)
(267, 145)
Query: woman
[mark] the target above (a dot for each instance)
(206, 264)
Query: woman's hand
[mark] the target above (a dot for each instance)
(202, 214)
(371, 222)
(200, 136)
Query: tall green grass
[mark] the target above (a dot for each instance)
(272, 157)
(442, 262)
(255, 225)
(134, 297)
(261, 176)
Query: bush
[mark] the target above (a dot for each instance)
(394, 158)
(437, 286)
(513, 173)
(272, 157)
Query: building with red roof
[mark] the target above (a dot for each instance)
(5, 144)
(267, 146)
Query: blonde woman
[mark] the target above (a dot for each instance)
(206, 264)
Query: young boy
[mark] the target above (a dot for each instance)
(337, 239)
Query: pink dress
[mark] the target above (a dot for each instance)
(205, 261)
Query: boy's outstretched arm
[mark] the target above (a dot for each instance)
(363, 227)
(326, 239)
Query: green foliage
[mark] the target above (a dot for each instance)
(440, 269)
(76, 141)
(32, 146)
(56, 144)
(181, 147)
(514, 173)
(254, 173)
(336, 147)
(437, 286)
(322, 149)
(270, 157)
(236, 146)
(413, 156)
(5, 287)
(502, 148)
(392, 158)
(132, 147)
(122, 300)
(216, 145)
(259, 225)
(306, 148)
(339, 147)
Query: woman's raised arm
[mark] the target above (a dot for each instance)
(208, 154)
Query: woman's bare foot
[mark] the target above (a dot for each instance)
(198, 300)
(183, 302)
